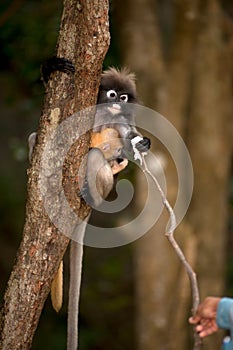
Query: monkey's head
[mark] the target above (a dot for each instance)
(117, 86)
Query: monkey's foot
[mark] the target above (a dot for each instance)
(54, 64)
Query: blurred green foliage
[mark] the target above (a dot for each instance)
(28, 37)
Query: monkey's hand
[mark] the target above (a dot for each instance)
(143, 145)
(54, 64)
(137, 143)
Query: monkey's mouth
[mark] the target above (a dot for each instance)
(115, 108)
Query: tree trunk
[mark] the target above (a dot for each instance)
(84, 39)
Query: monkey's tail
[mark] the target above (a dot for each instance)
(76, 257)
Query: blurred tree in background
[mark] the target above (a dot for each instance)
(181, 52)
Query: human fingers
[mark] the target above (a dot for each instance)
(206, 329)
(194, 319)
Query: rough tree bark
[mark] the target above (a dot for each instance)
(84, 39)
(189, 86)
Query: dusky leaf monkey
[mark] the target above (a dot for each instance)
(112, 137)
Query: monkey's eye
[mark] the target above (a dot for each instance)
(111, 94)
(124, 98)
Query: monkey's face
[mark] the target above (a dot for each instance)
(117, 86)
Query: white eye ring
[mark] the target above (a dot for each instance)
(111, 94)
(124, 98)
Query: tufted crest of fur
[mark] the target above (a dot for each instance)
(119, 80)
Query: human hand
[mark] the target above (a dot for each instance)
(205, 317)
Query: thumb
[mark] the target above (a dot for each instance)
(194, 319)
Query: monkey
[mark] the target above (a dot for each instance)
(114, 126)
(104, 145)
(104, 161)
(117, 88)
(109, 143)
